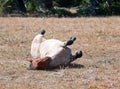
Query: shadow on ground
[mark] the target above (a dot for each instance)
(70, 66)
(74, 65)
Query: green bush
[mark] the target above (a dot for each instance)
(105, 7)
(7, 6)
(2, 9)
(67, 3)
(115, 8)
(30, 6)
(84, 7)
(61, 12)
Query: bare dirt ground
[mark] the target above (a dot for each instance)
(98, 38)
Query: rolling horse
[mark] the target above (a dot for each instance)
(51, 53)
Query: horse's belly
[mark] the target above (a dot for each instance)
(62, 58)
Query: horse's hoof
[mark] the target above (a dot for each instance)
(31, 67)
(78, 54)
(42, 32)
(73, 38)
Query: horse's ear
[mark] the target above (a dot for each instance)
(29, 59)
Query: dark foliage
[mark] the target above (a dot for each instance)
(61, 7)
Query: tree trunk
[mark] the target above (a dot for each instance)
(21, 5)
(93, 6)
(48, 4)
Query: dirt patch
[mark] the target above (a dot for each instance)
(98, 38)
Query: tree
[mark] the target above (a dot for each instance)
(61, 7)
(48, 4)
(21, 5)
(93, 6)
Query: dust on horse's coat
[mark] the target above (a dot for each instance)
(51, 52)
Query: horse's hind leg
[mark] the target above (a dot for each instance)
(38, 39)
(78, 54)
(42, 31)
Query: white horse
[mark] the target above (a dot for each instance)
(51, 53)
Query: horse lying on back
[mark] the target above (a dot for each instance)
(51, 53)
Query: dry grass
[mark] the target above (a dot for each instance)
(99, 38)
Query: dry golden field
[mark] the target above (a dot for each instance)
(97, 37)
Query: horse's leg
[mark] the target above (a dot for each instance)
(42, 31)
(70, 41)
(78, 54)
(38, 39)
